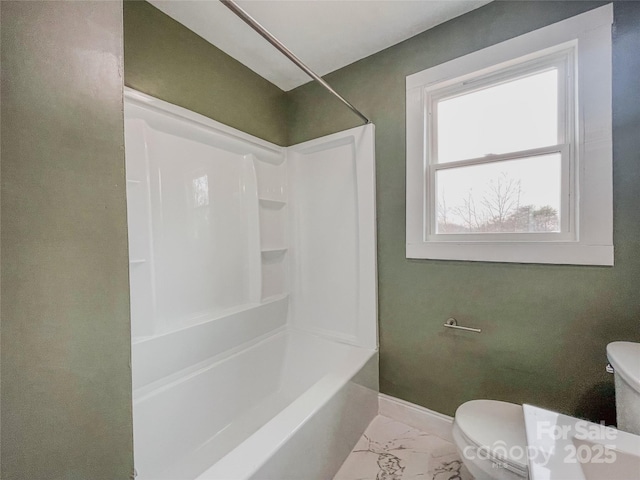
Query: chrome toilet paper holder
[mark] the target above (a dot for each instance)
(453, 323)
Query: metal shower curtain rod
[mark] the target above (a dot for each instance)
(249, 20)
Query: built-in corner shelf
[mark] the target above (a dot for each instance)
(272, 203)
(131, 181)
(137, 261)
(274, 251)
(273, 215)
(274, 298)
(274, 272)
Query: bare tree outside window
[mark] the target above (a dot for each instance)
(496, 208)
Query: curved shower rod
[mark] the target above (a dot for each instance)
(249, 20)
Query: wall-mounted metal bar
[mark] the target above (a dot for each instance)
(453, 323)
(249, 20)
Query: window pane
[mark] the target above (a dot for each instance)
(511, 196)
(513, 116)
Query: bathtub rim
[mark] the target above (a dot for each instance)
(281, 428)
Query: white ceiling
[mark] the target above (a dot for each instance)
(324, 34)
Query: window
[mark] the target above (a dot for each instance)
(509, 150)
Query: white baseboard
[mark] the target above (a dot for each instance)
(416, 416)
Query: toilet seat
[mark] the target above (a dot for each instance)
(496, 428)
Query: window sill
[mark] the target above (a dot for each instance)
(565, 253)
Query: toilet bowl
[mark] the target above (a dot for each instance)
(491, 439)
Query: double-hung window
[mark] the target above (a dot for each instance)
(509, 150)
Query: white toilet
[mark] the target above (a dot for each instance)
(625, 359)
(491, 439)
(490, 435)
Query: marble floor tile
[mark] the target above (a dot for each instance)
(390, 450)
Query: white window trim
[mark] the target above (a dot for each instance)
(592, 241)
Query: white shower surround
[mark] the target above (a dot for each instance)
(254, 300)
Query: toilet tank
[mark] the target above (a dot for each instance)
(625, 359)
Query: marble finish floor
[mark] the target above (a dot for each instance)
(391, 450)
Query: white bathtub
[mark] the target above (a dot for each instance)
(253, 297)
(301, 405)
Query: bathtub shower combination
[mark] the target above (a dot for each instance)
(253, 297)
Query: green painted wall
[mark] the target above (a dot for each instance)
(66, 377)
(545, 328)
(167, 60)
(65, 345)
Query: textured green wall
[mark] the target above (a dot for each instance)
(167, 60)
(65, 346)
(66, 379)
(544, 328)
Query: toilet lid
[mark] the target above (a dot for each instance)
(498, 426)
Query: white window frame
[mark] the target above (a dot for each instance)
(583, 45)
(562, 59)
